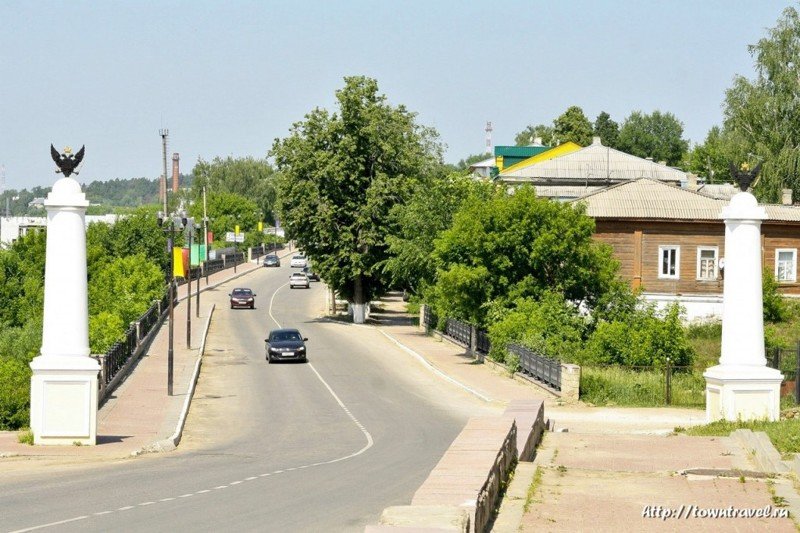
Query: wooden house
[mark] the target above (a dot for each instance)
(670, 242)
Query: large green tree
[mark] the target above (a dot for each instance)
(420, 221)
(247, 177)
(606, 129)
(341, 173)
(657, 135)
(527, 136)
(518, 246)
(572, 125)
(762, 116)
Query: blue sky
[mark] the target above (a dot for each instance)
(227, 78)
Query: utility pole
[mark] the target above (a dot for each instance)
(163, 184)
(205, 231)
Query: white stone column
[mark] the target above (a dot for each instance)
(64, 380)
(742, 387)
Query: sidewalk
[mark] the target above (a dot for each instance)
(139, 416)
(607, 469)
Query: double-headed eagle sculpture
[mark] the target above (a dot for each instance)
(744, 177)
(66, 162)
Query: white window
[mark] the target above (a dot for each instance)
(707, 264)
(669, 260)
(786, 264)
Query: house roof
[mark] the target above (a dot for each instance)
(594, 163)
(561, 149)
(486, 163)
(649, 198)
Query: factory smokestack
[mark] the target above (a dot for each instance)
(176, 171)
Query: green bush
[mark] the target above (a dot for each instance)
(775, 309)
(15, 392)
(549, 326)
(104, 330)
(642, 339)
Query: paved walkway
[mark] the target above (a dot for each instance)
(599, 475)
(610, 469)
(139, 415)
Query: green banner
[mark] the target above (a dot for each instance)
(203, 253)
(195, 261)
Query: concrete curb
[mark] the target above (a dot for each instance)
(169, 444)
(430, 365)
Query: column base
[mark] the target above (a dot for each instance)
(64, 400)
(740, 392)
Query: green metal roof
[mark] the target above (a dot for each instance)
(519, 151)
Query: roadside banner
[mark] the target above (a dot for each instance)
(195, 255)
(180, 262)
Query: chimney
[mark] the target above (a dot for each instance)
(596, 141)
(664, 163)
(786, 196)
(691, 181)
(176, 163)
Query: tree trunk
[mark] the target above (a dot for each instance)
(359, 305)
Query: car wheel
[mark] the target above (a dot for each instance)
(252, 306)
(231, 306)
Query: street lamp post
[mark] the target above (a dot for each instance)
(170, 224)
(189, 231)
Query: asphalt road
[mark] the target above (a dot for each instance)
(322, 446)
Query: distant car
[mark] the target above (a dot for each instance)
(284, 345)
(313, 276)
(298, 279)
(243, 297)
(272, 261)
(299, 261)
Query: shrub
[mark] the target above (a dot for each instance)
(643, 388)
(15, 392)
(549, 326)
(775, 309)
(104, 330)
(643, 339)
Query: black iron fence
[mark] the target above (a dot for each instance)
(213, 265)
(539, 367)
(482, 342)
(459, 331)
(787, 360)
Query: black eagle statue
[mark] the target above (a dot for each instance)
(66, 162)
(744, 177)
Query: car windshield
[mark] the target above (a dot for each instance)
(298, 275)
(286, 336)
(242, 292)
(301, 257)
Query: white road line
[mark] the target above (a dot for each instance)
(369, 444)
(51, 524)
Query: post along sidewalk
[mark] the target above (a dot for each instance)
(139, 416)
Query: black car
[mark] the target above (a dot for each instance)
(313, 276)
(241, 297)
(286, 345)
(272, 261)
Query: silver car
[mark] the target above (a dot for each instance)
(298, 279)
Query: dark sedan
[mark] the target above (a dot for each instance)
(313, 276)
(286, 345)
(242, 297)
(272, 261)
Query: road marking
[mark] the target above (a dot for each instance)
(51, 524)
(369, 444)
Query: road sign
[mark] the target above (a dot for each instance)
(231, 236)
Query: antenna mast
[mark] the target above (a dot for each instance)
(163, 183)
(488, 137)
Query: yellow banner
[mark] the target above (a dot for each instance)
(177, 263)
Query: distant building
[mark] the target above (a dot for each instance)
(37, 203)
(12, 228)
(579, 172)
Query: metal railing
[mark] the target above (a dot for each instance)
(459, 331)
(539, 367)
(787, 360)
(482, 343)
(212, 266)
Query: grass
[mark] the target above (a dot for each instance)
(537, 481)
(25, 437)
(784, 434)
(640, 388)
